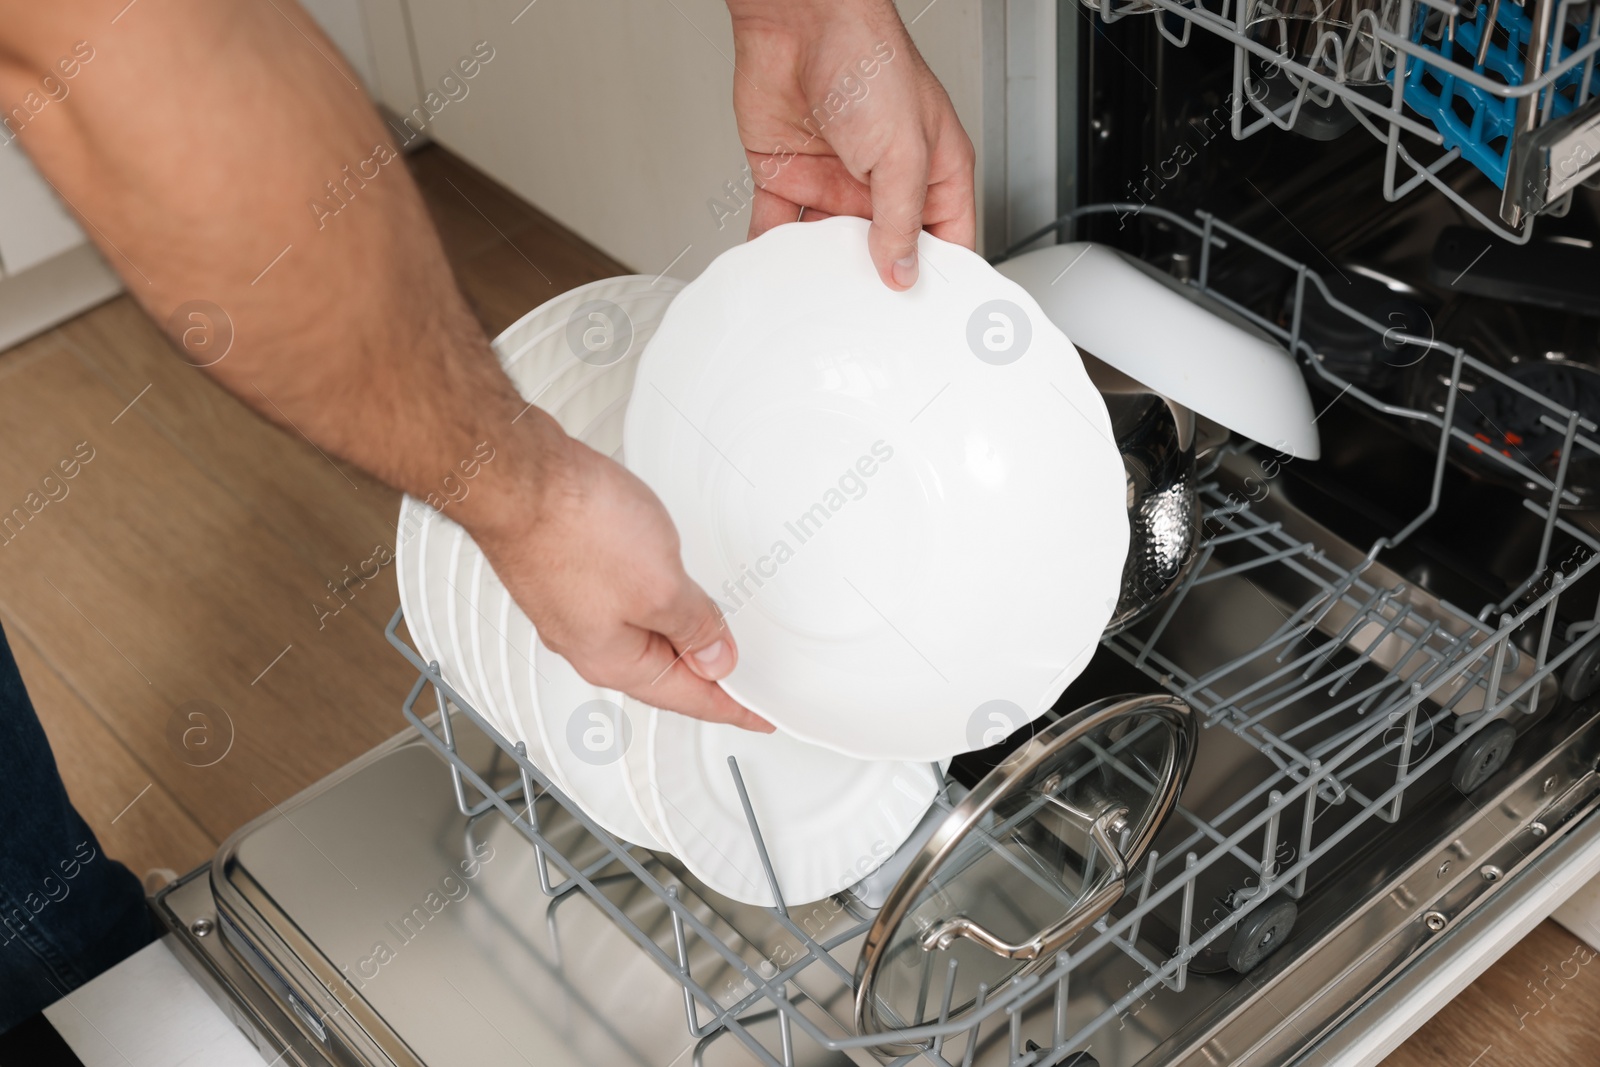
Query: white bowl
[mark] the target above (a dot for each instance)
(1174, 339)
(908, 504)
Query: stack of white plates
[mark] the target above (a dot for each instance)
(908, 505)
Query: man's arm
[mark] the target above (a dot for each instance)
(192, 144)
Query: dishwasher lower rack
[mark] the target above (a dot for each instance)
(1265, 843)
(1354, 691)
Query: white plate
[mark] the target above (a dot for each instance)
(592, 406)
(465, 628)
(636, 768)
(586, 731)
(483, 641)
(455, 591)
(827, 820)
(409, 548)
(537, 352)
(1174, 339)
(499, 648)
(432, 557)
(501, 651)
(909, 504)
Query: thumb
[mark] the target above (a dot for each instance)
(899, 186)
(697, 630)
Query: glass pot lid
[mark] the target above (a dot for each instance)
(1032, 856)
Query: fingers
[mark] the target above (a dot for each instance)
(671, 658)
(819, 184)
(675, 687)
(899, 192)
(644, 665)
(768, 209)
(692, 623)
(951, 209)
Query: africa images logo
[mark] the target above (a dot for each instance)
(851, 485)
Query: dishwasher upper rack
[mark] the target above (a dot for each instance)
(1547, 155)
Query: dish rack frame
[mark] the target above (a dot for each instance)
(1540, 143)
(1379, 721)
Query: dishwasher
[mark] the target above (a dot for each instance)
(1360, 735)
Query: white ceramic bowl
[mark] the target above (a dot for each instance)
(1174, 339)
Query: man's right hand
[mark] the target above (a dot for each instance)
(593, 558)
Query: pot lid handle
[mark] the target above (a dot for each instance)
(922, 925)
(1095, 903)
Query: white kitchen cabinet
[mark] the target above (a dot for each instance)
(394, 70)
(375, 37)
(616, 116)
(51, 272)
(345, 22)
(34, 226)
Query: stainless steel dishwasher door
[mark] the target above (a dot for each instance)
(367, 922)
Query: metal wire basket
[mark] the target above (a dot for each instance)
(1506, 87)
(1387, 675)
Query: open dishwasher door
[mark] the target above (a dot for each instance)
(368, 922)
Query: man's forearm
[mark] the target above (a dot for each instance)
(196, 145)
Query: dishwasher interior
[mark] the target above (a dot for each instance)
(1388, 657)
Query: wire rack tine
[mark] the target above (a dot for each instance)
(1406, 736)
(1058, 1016)
(944, 1004)
(1308, 820)
(972, 1034)
(755, 835)
(448, 729)
(1544, 638)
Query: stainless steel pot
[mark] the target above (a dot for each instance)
(1157, 440)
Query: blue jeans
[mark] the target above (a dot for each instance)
(67, 911)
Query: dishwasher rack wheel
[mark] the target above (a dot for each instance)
(1483, 755)
(1581, 680)
(1260, 933)
(1077, 1059)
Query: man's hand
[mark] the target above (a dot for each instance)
(840, 116)
(594, 558)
